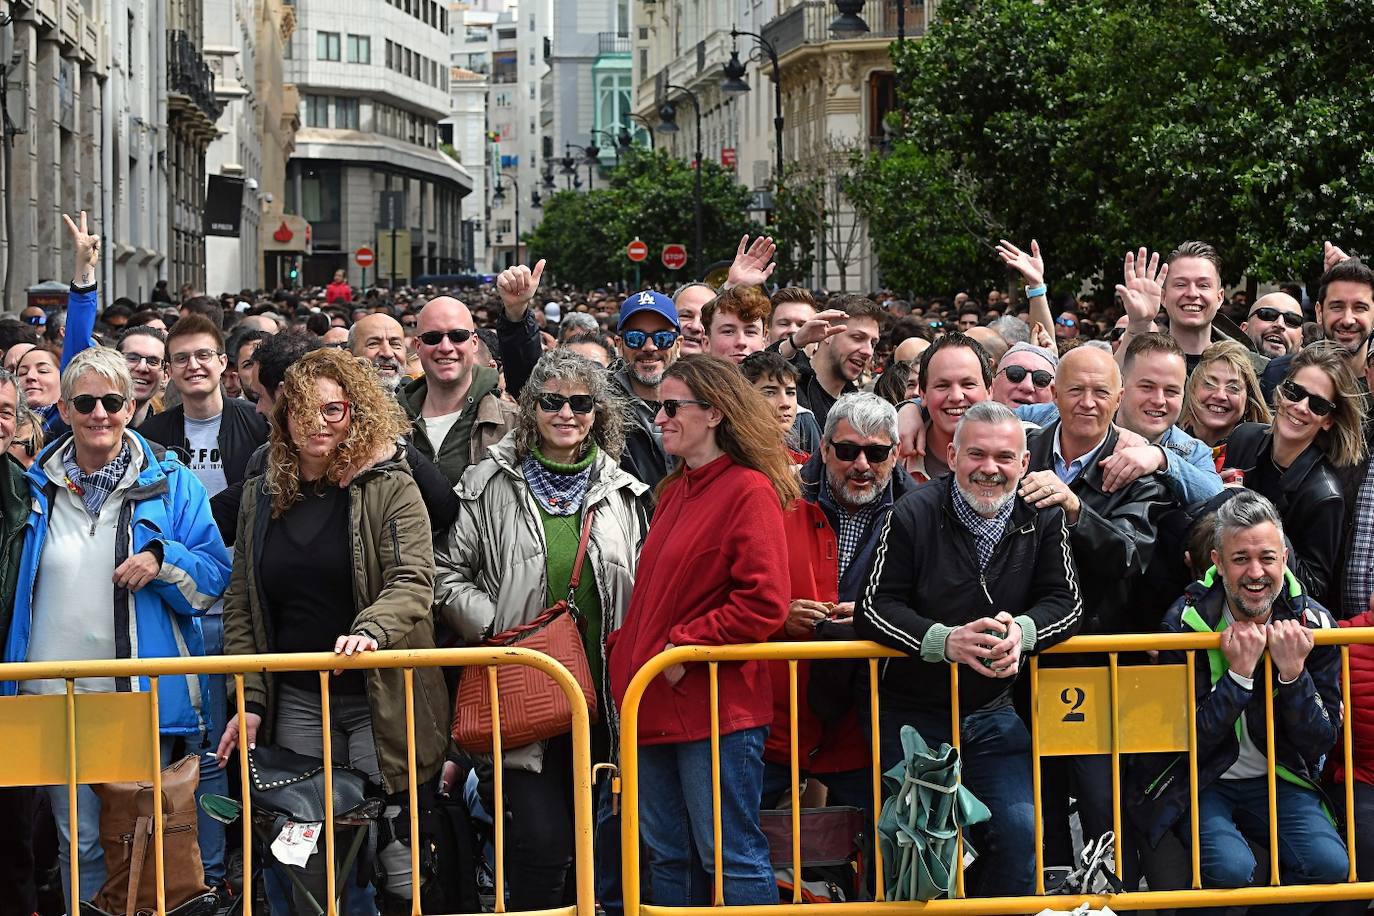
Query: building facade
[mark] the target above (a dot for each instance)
(373, 76)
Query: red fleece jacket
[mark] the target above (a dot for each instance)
(1361, 712)
(712, 572)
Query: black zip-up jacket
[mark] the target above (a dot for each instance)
(1307, 711)
(241, 430)
(1114, 537)
(1310, 502)
(926, 572)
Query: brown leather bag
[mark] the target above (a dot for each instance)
(126, 835)
(533, 706)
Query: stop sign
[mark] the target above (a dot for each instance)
(636, 251)
(674, 257)
(364, 257)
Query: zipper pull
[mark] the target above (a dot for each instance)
(983, 581)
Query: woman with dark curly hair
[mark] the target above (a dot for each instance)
(323, 568)
(511, 554)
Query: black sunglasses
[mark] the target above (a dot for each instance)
(849, 451)
(580, 403)
(636, 340)
(671, 405)
(1117, 333)
(434, 338)
(85, 403)
(1294, 393)
(1039, 377)
(1291, 319)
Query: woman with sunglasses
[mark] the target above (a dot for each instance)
(512, 553)
(120, 557)
(713, 572)
(1293, 461)
(1222, 393)
(323, 568)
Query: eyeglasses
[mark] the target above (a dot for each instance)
(434, 338)
(849, 451)
(636, 340)
(180, 360)
(133, 360)
(1293, 392)
(1066, 322)
(1017, 374)
(936, 325)
(85, 403)
(333, 411)
(580, 403)
(1117, 333)
(411, 323)
(670, 407)
(1291, 319)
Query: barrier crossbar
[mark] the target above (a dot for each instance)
(115, 737)
(1113, 710)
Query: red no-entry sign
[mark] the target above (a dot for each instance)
(674, 257)
(636, 251)
(364, 257)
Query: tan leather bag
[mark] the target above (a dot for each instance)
(126, 835)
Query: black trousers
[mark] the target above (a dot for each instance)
(20, 896)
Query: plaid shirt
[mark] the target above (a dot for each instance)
(95, 488)
(1359, 571)
(852, 527)
(986, 531)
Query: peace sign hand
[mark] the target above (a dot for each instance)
(517, 286)
(87, 251)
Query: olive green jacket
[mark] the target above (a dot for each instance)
(393, 590)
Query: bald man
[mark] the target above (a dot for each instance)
(1112, 538)
(991, 341)
(381, 340)
(455, 407)
(910, 350)
(265, 323)
(1274, 323)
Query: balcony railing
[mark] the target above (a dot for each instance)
(809, 23)
(613, 43)
(189, 75)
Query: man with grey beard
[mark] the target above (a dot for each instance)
(969, 573)
(381, 340)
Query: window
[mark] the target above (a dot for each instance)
(359, 49)
(327, 45)
(316, 111)
(346, 113)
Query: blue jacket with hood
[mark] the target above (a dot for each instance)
(167, 505)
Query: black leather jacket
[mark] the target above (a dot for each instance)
(1114, 538)
(1310, 502)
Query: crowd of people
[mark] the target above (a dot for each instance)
(967, 481)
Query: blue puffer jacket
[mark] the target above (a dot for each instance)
(168, 505)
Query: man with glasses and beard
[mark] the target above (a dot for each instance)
(1275, 324)
(967, 572)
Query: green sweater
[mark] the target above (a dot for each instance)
(561, 534)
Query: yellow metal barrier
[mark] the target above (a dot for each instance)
(85, 738)
(1110, 710)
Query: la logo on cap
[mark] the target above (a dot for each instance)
(646, 298)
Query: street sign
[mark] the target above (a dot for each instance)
(636, 251)
(674, 257)
(391, 210)
(364, 257)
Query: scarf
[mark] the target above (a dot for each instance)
(559, 488)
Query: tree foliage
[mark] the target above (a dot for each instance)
(649, 196)
(1099, 125)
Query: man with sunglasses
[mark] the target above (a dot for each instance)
(1025, 375)
(455, 408)
(1275, 324)
(1345, 311)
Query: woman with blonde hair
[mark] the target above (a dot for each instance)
(320, 567)
(1222, 392)
(1293, 461)
(712, 572)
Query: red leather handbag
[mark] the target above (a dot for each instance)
(533, 706)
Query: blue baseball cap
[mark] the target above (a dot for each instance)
(648, 301)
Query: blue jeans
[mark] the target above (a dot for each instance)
(606, 852)
(675, 818)
(996, 768)
(213, 780)
(1310, 849)
(91, 856)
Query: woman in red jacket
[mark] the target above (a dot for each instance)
(713, 571)
(1361, 715)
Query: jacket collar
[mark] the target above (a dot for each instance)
(606, 474)
(152, 461)
(484, 381)
(1292, 479)
(1207, 598)
(1022, 513)
(1041, 447)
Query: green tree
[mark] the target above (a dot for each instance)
(650, 196)
(1100, 125)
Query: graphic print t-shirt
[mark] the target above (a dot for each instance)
(202, 453)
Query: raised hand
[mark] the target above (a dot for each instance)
(753, 264)
(1030, 266)
(1143, 290)
(87, 251)
(517, 286)
(1332, 255)
(819, 328)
